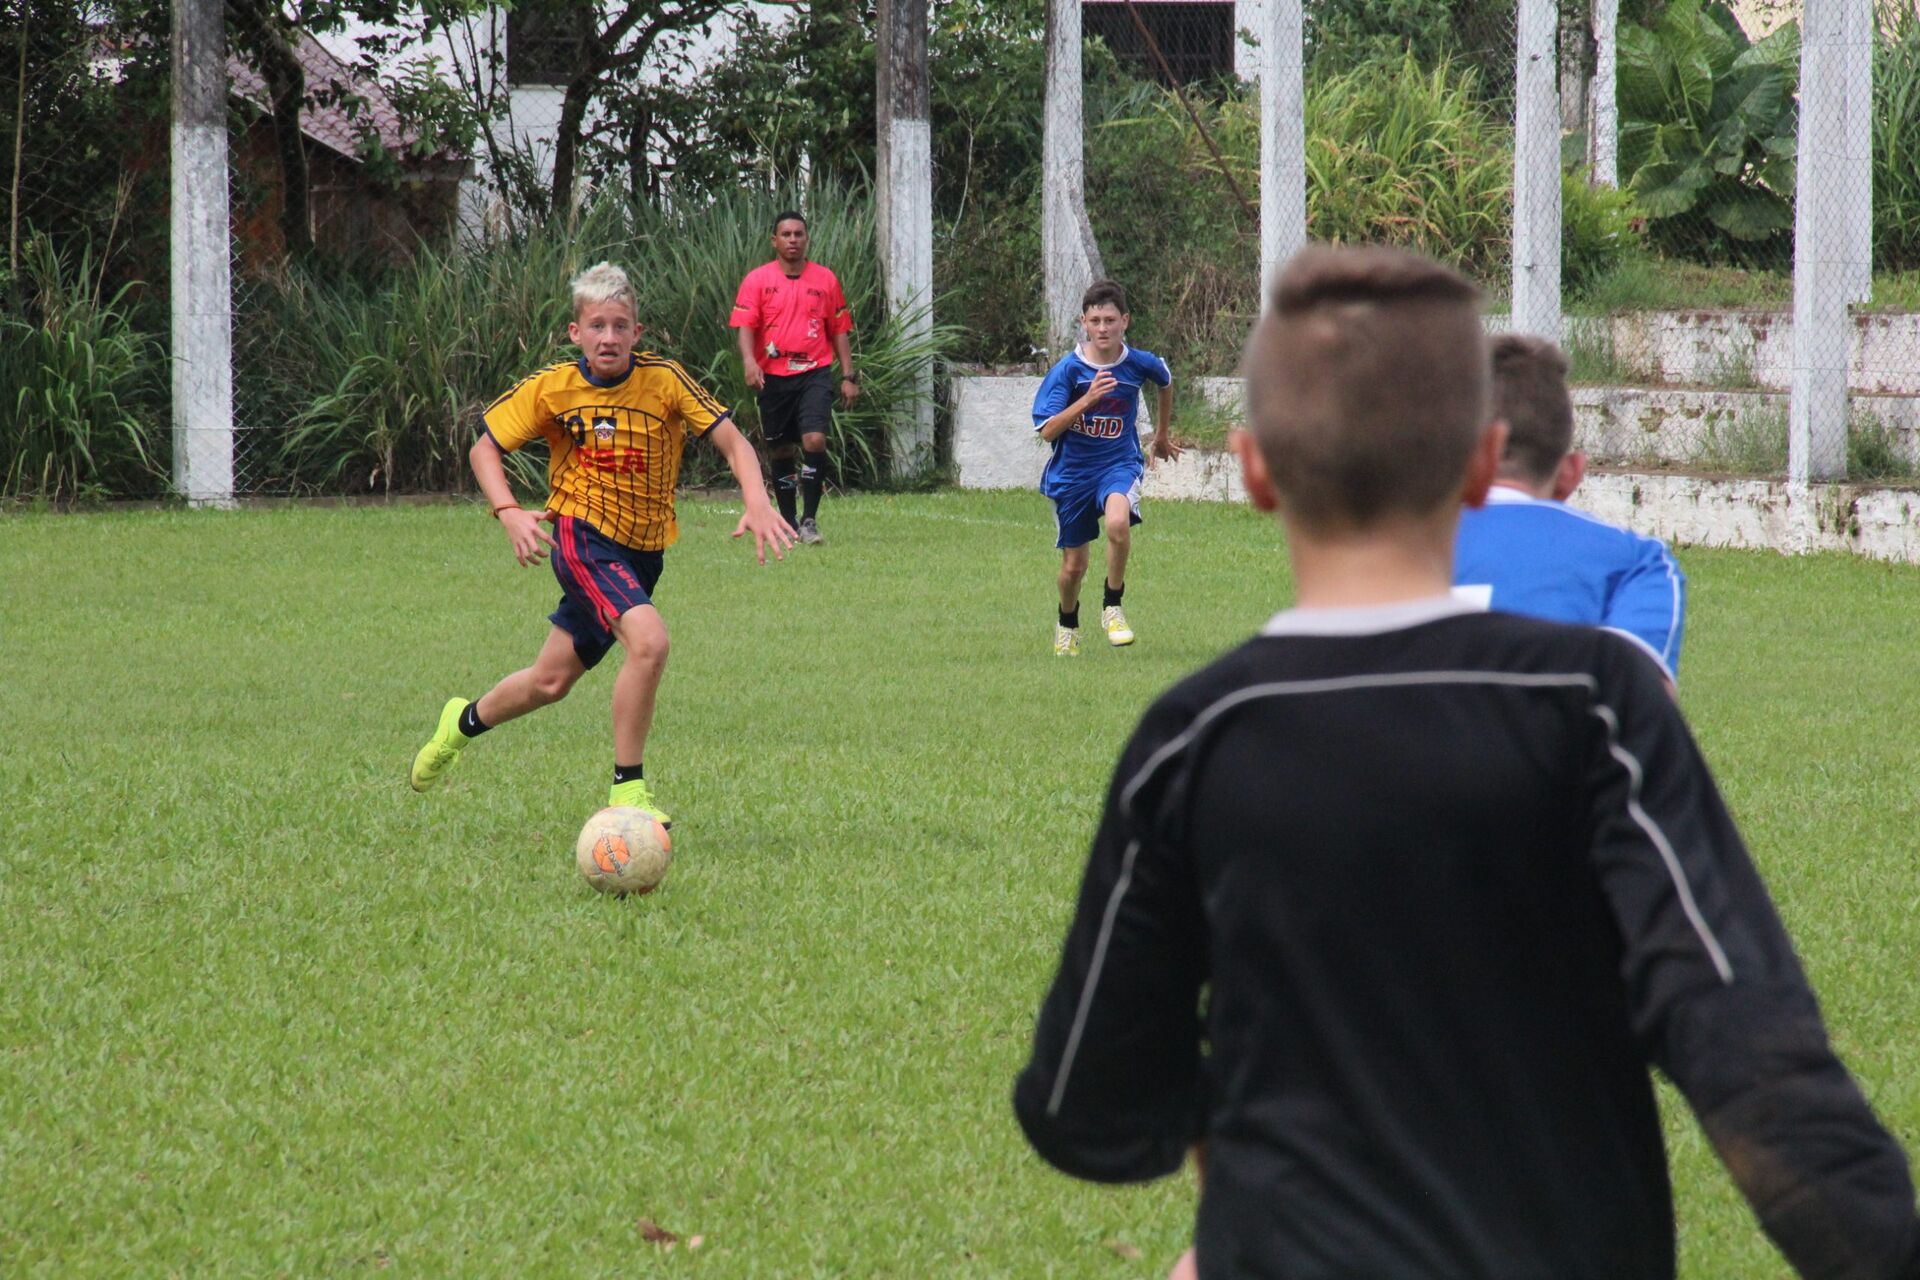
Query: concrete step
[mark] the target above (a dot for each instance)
(1735, 350)
(1736, 431)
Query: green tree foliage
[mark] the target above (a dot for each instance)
(1707, 132)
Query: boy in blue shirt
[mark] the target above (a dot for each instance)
(1087, 409)
(1527, 552)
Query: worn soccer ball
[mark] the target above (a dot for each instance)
(623, 850)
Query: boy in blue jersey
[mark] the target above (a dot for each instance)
(1087, 409)
(1527, 552)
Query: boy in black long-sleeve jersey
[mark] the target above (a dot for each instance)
(1450, 881)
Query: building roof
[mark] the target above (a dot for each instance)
(328, 117)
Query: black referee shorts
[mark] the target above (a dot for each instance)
(793, 404)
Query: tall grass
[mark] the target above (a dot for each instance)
(1896, 144)
(386, 380)
(80, 388)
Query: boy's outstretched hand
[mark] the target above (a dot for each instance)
(526, 535)
(770, 529)
(1163, 448)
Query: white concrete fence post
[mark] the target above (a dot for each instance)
(1603, 121)
(1536, 173)
(905, 161)
(1283, 138)
(1070, 261)
(1822, 278)
(202, 266)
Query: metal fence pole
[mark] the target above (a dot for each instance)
(1283, 139)
(202, 271)
(1536, 173)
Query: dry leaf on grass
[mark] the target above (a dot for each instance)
(1131, 1252)
(653, 1233)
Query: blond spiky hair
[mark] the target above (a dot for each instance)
(602, 282)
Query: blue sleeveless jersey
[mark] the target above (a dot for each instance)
(1108, 433)
(1527, 555)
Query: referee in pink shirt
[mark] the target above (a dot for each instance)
(793, 323)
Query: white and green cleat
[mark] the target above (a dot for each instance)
(634, 795)
(1114, 623)
(432, 761)
(1066, 641)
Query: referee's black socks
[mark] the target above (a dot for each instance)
(1112, 598)
(1070, 618)
(786, 483)
(813, 466)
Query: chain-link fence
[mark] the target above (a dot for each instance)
(1716, 206)
(1711, 205)
(1731, 270)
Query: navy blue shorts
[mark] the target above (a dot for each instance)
(599, 580)
(1079, 506)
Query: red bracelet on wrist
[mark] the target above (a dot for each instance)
(505, 506)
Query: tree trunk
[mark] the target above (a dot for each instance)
(566, 141)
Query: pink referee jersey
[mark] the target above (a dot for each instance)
(794, 318)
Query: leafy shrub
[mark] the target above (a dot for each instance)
(1599, 228)
(1707, 132)
(1168, 225)
(80, 388)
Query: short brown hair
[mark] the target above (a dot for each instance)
(1104, 293)
(1367, 384)
(1530, 393)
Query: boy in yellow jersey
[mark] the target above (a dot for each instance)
(615, 423)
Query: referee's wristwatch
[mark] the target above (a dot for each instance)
(847, 377)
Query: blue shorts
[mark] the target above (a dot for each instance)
(599, 580)
(1080, 504)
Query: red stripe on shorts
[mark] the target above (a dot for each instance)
(569, 541)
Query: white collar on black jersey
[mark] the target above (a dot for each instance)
(1366, 620)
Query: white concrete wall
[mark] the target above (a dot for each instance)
(1743, 348)
(994, 447)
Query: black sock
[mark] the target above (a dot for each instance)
(1070, 619)
(471, 726)
(786, 485)
(811, 469)
(628, 773)
(1113, 595)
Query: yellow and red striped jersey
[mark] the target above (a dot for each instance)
(614, 447)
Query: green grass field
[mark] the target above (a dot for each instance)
(266, 1011)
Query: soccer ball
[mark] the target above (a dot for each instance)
(623, 850)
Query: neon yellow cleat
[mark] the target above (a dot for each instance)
(1114, 623)
(442, 749)
(634, 795)
(1066, 641)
